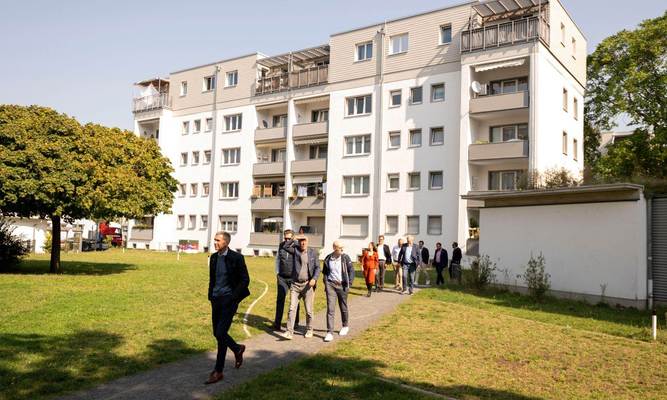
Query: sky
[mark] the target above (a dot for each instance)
(82, 57)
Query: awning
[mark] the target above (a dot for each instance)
(492, 8)
(501, 64)
(307, 179)
(272, 220)
(312, 141)
(298, 56)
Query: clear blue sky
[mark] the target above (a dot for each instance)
(81, 57)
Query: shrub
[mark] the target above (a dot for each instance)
(536, 278)
(11, 247)
(559, 177)
(482, 272)
(47, 242)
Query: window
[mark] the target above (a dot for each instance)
(395, 98)
(320, 115)
(278, 155)
(415, 138)
(562, 34)
(364, 51)
(180, 222)
(354, 226)
(359, 105)
(195, 158)
(393, 182)
(394, 140)
(434, 225)
(565, 100)
(391, 226)
(233, 122)
(508, 132)
(503, 180)
(412, 224)
(445, 34)
(184, 88)
(414, 181)
(231, 156)
(229, 190)
(416, 95)
(185, 127)
(279, 121)
(192, 221)
(203, 222)
(437, 136)
(575, 108)
(184, 159)
(318, 151)
(207, 156)
(209, 124)
(193, 189)
(204, 189)
(509, 86)
(229, 223)
(398, 44)
(196, 126)
(574, 48)
(435, 180)
(575, 149)
(357, 145)
(438, 92)
(356, 185)
(181, 189)
(232, 79)
(209, 83)
(565, 143)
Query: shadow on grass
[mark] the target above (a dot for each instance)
(63, 363)
(41, 267)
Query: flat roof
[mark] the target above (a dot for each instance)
(216, 62)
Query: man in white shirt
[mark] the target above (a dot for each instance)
(398, 273)
(384, 256)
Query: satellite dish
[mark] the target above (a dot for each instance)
(476, 87)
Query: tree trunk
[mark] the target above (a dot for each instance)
(54, 266)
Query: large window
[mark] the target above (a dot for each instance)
(437, 136)
(359, 105)
(209, 83)
(508, 132)
(398, 44)
(394, 140)
(412, 224)
(416, 95)
(320, 115)
(391, 227)
(445, 34)
(180, 222)
(318, 151)
(434, 225)
(414, 181)
(438, 92)
(357, 145)
(435, 180)
(415, 138)
(393, 182)
(395, 98)
(279, 121)
(233, 122)
(504, 180)
(231, 156)
(278, 155)
(356, 185)
(364, 51)
(354, 226)
(229, 223)
(509, 86)
(229, 190)
(232, 79)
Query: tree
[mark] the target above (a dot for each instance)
(52, 167)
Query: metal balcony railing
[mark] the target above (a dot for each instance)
(504, 34)
(293, 80)
(153, 102)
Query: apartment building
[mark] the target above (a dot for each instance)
(379, 131)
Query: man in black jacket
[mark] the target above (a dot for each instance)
(440, 259)
(409, 257)
(338, 272)
(304, 277)
(284, 267)
(384, 258)
(423, 267)
(227, 287)
(455, 267)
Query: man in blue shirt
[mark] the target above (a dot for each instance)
(409, 257)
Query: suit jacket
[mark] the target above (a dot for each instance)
(238, 275)
(425, 255)
(347, 270)
(387, 252)
(444, 258)
(415, 257)
(292, 247)
(457, 256)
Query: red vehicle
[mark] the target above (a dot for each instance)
(105, 230)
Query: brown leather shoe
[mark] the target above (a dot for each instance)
(214, 377)
(239, 356)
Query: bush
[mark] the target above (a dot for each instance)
(536, 278)
(47, 242)
(548, 179)
(11, 247)
(482, 272)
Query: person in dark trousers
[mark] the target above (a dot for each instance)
(455, 267)
(423, 267)
(440, 261)
(284, 266)
(408, 258)
(227, 287)
(304, 277)
(338, 272)
(384, 258)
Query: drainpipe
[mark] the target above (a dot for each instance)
(214, 135)
(377, 163)
(649, 253)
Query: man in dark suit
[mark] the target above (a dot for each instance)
(227, 287)
(408, 258)
(284, 267)
(423, 267)
(440, 260)
(384, 258)
(304, 277)
(455, 267)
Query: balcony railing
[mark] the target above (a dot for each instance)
(307, 203)
(141, 234)
(264, 239)
(154, 102)
(498, 151)
(308, 167)
(268, 168)
(293, 80)
(269, 135)
(267, 203)
(499, 102)
(310, 130)
(504, 34)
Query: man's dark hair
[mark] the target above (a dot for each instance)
(439, 244)
(287, 231)
(421, 242)
(455, 244)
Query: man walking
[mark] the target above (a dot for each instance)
(409, 258)
(284, 266)
(304, 277)
(338, 274)
(455, 268)
(423, 267)
(227, 286)
(384, 257)
(398, 272)
(440, 257)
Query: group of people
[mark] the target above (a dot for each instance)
(298, 270)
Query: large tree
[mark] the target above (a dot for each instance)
(52, 167)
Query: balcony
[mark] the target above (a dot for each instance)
(152, 102)
(267, 204)
(505, 34)
(498, 151)
(270, 135)
(141, 234)
(308, 203)
(309, 167)
(268, 169)
(310, 131)
(499, 102)
(264, 239)
(293, 80)
(315, 240)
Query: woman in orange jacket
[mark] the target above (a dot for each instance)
(369, 263)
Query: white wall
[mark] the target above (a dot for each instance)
(584, 245)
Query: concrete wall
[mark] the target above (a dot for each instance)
(584, 245)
